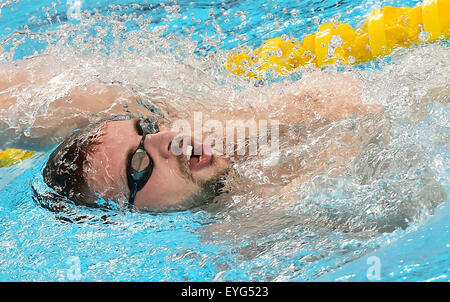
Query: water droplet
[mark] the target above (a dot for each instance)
(351, 60)
(316, 20)
(279, 53)
(424, 36)
(259, 83)
(335, 41)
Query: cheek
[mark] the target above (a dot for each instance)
(165, 189)
(174, 183)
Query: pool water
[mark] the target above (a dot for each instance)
(348, 227)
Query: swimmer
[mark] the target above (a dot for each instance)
(131, 161)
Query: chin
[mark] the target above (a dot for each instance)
(218, 166)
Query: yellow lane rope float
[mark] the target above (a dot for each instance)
(385, 29)
(11, 157)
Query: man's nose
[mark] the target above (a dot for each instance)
(158, 144)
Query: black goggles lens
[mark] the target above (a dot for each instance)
(140, 165)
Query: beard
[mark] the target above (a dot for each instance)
(208, 191)
(186, 172)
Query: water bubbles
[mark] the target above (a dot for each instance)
(335, 42)
(316, 20)
(173, 9)
(294, 13)
(74, 9)
(259, 83)
(188, 31)
(424, 36)
(279, 53)
(241, 14)
(27, 131)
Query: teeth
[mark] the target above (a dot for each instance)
(189, 152)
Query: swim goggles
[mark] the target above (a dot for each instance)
(140, 164)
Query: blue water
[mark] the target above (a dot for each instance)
(96, 245)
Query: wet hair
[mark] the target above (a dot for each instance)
(64, 170)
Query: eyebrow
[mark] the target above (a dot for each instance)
(135, 124)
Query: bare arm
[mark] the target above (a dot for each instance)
(37, 121)
(316, 95)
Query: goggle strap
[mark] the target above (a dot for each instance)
(133, 193)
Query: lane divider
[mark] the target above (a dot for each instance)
(384, 30)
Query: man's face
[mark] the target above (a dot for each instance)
(174, 179)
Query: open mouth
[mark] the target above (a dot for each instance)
(196, 155)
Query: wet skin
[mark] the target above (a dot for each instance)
(173, 179)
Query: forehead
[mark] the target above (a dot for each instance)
(106, 163)
(118, 128)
